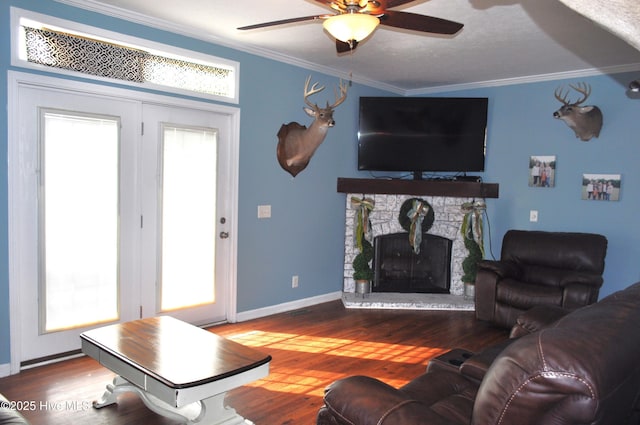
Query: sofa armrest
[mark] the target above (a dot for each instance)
(504, 269)
(364, 400)
(487, 277)
(485, 294)
(477, 365)
(537, 318)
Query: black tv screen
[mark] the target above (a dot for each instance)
(422, 134)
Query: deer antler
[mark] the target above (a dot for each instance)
(314, 89)
(339, 97)
(561, 98)
(584, 89)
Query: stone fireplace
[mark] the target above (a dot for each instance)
(384, 220)
(446, 197)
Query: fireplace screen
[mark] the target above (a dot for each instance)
(398, 268)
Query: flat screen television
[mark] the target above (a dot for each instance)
(422, 134)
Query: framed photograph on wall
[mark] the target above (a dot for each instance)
(542, 171)
(601, 187)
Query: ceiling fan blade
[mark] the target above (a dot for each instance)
(284, 21)
(415, 22)
(343, 47)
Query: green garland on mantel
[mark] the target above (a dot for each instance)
(470, 263)
(362, 233)
(472, 233)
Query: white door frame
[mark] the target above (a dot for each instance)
(15, 79)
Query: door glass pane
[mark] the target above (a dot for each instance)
(80, 220)
(189, 161)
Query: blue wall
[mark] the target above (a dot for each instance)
(521, 125)
(305, 235)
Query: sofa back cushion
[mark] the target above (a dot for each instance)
(583, 252)
(583, 369)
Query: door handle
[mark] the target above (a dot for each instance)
(224, 235)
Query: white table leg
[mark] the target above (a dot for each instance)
(210, 411)
(111, 393)
(216, 413)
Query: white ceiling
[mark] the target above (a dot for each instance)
(512, 40)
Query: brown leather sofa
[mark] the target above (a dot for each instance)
(583, 368)
(539, 268)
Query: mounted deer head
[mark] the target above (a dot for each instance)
(297, 143)
(585, 121)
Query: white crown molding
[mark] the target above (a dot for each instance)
(581, 73)
(98, 7)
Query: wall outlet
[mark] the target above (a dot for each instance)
(264, 211)
(533, 215)
(294, 281)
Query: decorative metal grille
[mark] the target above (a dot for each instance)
(83, 55)
(186, 75)
(94, 57)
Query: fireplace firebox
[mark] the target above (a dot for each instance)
(397, 268)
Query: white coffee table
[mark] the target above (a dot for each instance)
(179, 370)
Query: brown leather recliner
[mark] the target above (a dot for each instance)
(581, 369)
(539, 268)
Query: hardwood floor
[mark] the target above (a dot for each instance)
(311, 348)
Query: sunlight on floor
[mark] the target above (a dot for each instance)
(313, 382)
(297, 381)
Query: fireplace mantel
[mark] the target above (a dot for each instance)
(454, 189)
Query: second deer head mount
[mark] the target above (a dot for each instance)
(585, 121)
(296, 142)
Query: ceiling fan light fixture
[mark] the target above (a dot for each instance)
(351, 26)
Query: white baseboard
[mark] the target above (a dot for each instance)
(282, 308)
(5, 370)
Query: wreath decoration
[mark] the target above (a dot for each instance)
(416, 217)
(405, 221)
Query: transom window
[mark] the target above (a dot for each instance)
(64, 47)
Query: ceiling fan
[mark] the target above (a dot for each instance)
(355, 20)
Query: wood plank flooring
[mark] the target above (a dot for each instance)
(311, 348)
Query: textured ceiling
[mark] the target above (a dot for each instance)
(501, 40)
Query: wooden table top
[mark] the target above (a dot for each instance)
(174, 352)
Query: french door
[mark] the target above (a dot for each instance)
(121, 211)
(184, 229)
